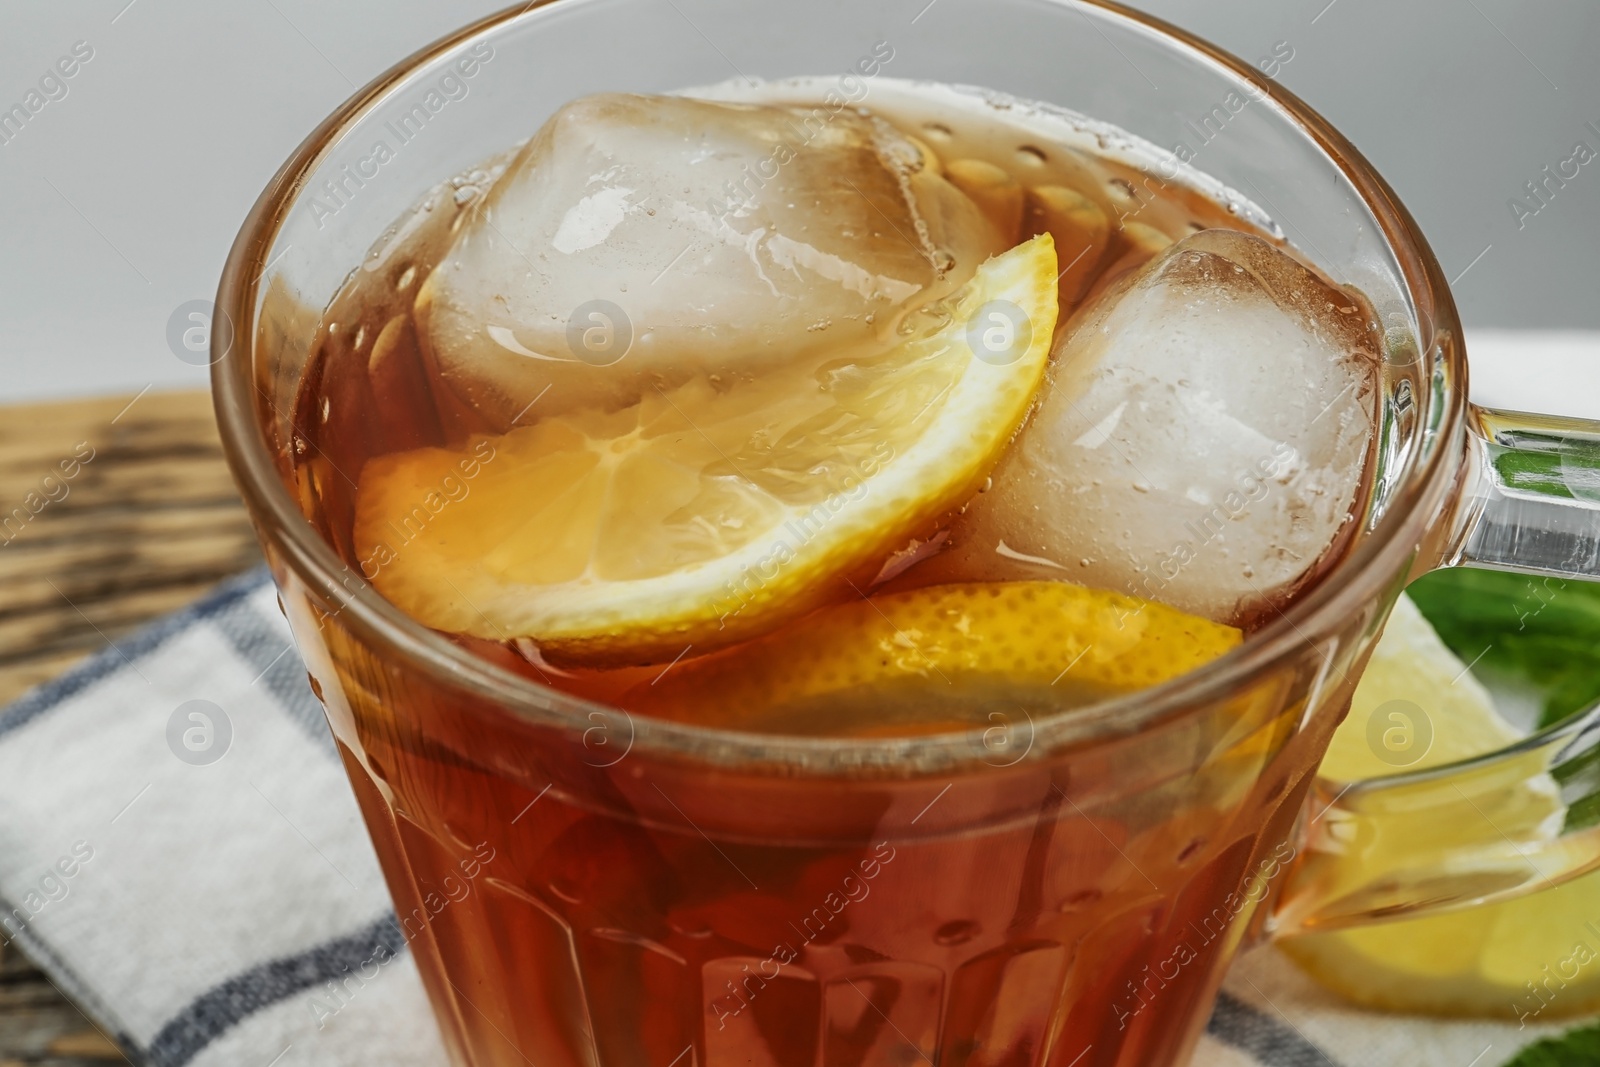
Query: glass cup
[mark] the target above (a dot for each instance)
(582, 887)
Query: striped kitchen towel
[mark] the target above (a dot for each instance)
(211, 911)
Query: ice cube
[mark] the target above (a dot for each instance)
(1200, 441)
(638, 240)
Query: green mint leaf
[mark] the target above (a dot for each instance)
(1580, 784)
(1540, 472)
(1580, 816)
(1575, 1048)
(1545, 631)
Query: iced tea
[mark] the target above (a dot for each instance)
(934, 413)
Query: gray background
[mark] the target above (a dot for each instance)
(118, 202)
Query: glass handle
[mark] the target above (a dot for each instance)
(1506, 824)
(1532, 502)
(1509, 823)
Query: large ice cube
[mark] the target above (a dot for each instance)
(1201, 439)
(637, 240)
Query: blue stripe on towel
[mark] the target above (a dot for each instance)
(1236, 1023)
(213, 1013)
(139, 644)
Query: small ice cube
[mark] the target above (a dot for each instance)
(1201, 438)
(637, 240)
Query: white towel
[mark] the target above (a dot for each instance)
(201, 907)
(209, 904)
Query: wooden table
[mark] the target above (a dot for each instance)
(144, 527)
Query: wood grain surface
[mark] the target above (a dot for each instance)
(144, 525)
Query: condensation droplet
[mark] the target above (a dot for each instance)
(1032, 156)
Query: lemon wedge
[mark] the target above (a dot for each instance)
(1534, 959)
(938, 658)
(715, 510)
(1411, 664)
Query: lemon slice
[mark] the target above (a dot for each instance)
(1476, 962)
(938, 658)
(1411, 664)
(717, 509)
